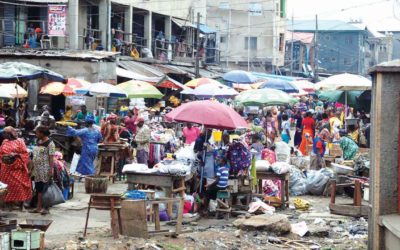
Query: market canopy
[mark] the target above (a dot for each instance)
(340, 96)
(211, 114)
(102, 89)
(12, 90)
(217, 90)
(344, 82)
(200, 81)
(304, 85)
(53, 88)
(73, 84)
(281, 85)
(264, 97)
(139, 89)
(240, 79)
(19, 71)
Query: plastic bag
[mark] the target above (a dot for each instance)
(52, 195)
(316, 182)
(212, 206)
(263, 165)
(280, 167)
(301, 162)
(282, 151)
(297, 182)
(74, 163)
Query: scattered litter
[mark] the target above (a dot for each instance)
(301, 204)
(300, 228)
(260, 205)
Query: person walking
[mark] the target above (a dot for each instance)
(43, 156)
(142, 139)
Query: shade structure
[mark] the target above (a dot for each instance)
(73, 84)
(53, 88)
(139, 89)
(301, 93)
(12, 90)
(212, 90)
(340, 96)
(200, 81)
(344, 82)
(304, 85)
(19, 71)
(102, 89)
(264, 97)
(239, 76)
(211, 114)
(282, 85)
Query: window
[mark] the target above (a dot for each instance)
(333, 59)
(222, 39)
(347, 61)
(327, 37)
(348, 40)
(281, 41)
(253, 43)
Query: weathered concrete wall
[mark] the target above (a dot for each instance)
(384, 145)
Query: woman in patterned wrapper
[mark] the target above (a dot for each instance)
(14, 159)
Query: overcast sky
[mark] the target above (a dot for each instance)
(378, 14)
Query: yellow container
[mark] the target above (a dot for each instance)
(217, 135)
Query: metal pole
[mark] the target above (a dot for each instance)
(198, 47)
(229, 38)
(316, 50)
(248, 41)
(291, 49)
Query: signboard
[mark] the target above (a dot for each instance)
(255, 9)
(57, 19)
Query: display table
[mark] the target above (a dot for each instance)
(172, 183)
(109, 151)
(284, 178)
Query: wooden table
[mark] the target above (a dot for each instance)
(172, 183)
(106, 151)
(284, 178)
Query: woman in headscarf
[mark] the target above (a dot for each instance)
(308, 124)
(109, 130)
(14, 160)
(349, 147)
(90, 137)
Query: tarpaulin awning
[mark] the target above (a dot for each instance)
(183, 23)
(207, 29)
(19, 71)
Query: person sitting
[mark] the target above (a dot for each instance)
(80, 117)
(220, 183)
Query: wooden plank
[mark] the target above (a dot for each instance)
(134, 218)
(156, 209)
(349, 210)
(159, 181)
(180, 216)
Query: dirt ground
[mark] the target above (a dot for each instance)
(326, 231)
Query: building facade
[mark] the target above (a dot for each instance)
(299, 56)
(251, 35)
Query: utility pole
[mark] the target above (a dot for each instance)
(198, 47)
(248, 41)
(316, 50)
(229, 38)
(291, 49)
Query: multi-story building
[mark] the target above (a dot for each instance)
(251, 33)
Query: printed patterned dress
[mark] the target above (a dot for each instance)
(16, 175)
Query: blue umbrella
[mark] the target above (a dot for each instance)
(239, 76)
(280, 85)
(19, 71)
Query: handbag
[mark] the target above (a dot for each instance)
(52, 195)
(9, 159)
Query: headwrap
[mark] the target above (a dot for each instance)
(89, 118)
(324, 134)
(11, 131)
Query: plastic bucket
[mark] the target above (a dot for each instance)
(217, 135)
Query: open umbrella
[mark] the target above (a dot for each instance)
(282, 85)
(73, 84)
(340, 96)
(12, 90)
(102, 89)
(212, 90)
(304, 85)
(264, 97)
(53, 88)
(200, 81)
(19, 71)
(139, 89)
(240, 79)
(344, 82)
(211, 114)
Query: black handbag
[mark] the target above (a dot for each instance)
(9, 159)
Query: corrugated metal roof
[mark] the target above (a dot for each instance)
(44, 1)
(141, 68)
(323, 25)
(171, 69)
(304, 37)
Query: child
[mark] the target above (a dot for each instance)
(257, 146)
(285, 129)
(319, 146)
(220, 183)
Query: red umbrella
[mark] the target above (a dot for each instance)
(211, 114)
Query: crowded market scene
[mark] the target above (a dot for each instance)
(239, 150)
